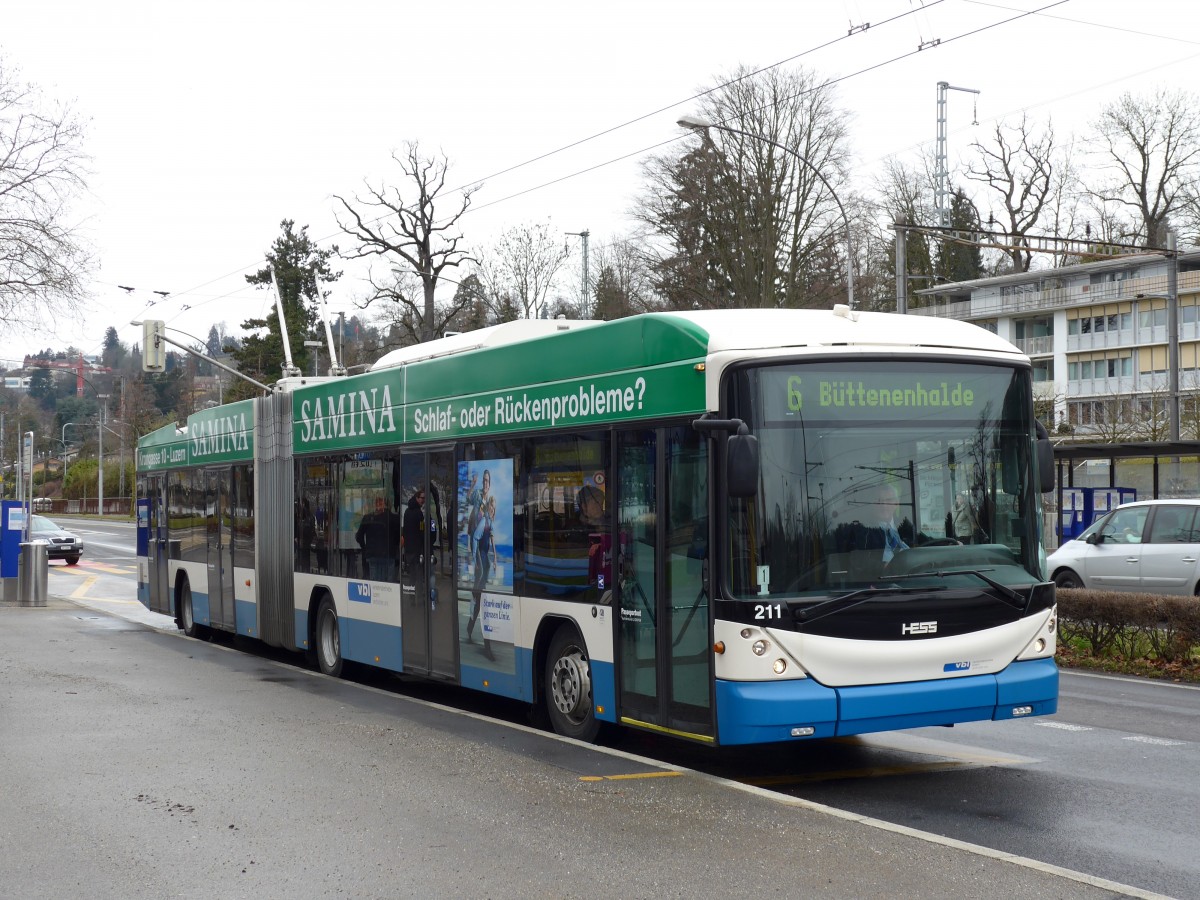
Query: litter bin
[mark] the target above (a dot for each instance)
(32, 574)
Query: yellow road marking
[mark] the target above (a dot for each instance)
(629, 777)
(78, 593)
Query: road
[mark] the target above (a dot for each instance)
(1107, 787)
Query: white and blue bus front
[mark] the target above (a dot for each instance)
(883, 566)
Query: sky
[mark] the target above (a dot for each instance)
(209, 124)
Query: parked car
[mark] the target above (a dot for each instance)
(1151, 546)
(42, 504)
(60, 543)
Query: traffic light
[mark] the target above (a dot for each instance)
(154, 348)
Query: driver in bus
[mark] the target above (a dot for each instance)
(876, 530)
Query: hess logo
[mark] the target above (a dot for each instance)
(919, 628)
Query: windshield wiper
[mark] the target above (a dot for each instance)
(1007, 594)
(845, 601)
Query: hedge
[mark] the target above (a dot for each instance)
(1114, 623)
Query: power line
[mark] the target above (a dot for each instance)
(853, 31)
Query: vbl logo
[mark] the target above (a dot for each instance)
(360, 591)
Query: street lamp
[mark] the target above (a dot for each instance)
(100, 456)
(315, 346)
(701, 126)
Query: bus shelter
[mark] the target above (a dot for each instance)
(1093, 477)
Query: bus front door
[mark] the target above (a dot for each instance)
(428, 618)
(220, 550)
(664, 636)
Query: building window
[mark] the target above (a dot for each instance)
(1152, 318)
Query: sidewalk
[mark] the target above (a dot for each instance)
(129, 610)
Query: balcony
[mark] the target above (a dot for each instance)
(1124, 386)
(1102, 340)
(990, 303)
(1036, 346)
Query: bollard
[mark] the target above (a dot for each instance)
(32, 574)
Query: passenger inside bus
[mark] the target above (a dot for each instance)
(379, 537)
(595, 520)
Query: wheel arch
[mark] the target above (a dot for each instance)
(547, 628)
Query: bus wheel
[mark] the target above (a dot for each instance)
(569, 687)
(328, 639)
(187, 618)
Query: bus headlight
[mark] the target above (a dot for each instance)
(780, 666)
(760, 647)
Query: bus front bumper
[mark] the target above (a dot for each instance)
(757, 712)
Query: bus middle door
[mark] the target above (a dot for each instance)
(220, 551)
(428, 601)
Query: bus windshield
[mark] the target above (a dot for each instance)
(897, 472)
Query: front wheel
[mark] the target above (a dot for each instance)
(328, 639)
(72, 560)
(569, 687)
(1067, 579)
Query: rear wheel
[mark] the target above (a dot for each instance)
(72, 560)
(187, 618)
(328, 639)
(1067, 579)
(569, 687)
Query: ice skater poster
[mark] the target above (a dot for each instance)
(485, 524)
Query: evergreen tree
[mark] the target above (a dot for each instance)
(298, 263)
(958, 261)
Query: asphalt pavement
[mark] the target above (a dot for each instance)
(138, 763)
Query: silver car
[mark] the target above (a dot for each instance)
(60, 543)
(1152, 546)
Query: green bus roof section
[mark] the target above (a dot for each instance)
(165, 448)
(636, 368)
(223, 434)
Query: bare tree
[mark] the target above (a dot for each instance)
(43, 259)
(410, 238)
(1115, 419)
(623, 284)
(1064, 209)
(1149, 147)
(903, 197)
(523, 267)
(1018, 165)
(740, 221)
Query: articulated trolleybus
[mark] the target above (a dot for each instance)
(730, 526)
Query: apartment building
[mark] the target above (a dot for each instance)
(1097, 334)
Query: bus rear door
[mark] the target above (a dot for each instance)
(157, 545)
